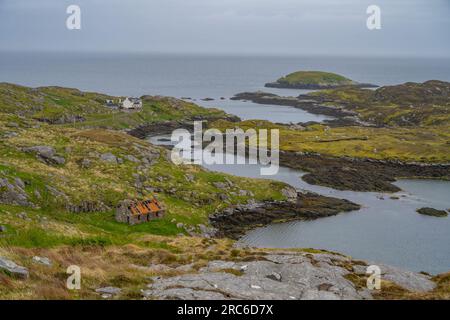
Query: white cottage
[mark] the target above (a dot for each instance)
(132, 103)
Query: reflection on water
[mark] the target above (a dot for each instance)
(385, 230)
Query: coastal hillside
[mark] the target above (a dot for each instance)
(410, 104)
(375, 136)
(56, 105)
(314, 80)
(61, 184)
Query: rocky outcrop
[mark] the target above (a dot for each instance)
(13, 192)
(165, 127)
(46, 154)
(359, 174)
(66, 118)
(281, 276)
(234, 221)
(108, 292)
(42, 261)
(12, 269)
(433, 212)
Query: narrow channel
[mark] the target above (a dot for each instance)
(387, 229)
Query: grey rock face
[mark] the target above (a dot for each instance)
(108, 292)
(283, 275)
(42, 260)
(46, 154)
(19, 183)
(287, 276)
(108, 157)
(13, 193)
(290, 193)
(13, 269)
(132, 158)
(220, 185)
(85, 163)
(406, 279)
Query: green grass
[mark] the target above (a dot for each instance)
(53, 103)
(188, 202)
(314, 78)
(406, 105)
(421, 144)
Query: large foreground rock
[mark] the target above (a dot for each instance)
(290, 276)
(11, 268)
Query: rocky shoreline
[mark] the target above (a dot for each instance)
(235, 221)
(165, 127)
(341, 173)
(309, 105)
(359, 174)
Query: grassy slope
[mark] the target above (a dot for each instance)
(429, 144)
(105, 250)
(52, 103)
(187, 202)
(413, 124)
(314, 77)
(410, 104)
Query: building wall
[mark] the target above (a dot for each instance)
(136, 219)
(127, 104)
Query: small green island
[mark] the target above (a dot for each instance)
(315, 80)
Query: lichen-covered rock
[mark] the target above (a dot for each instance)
(279, 276)
(13, 193)
(42, 260)
(408, 280)
(46, 154)
(287, 276)
(290, 193)
(109, 290)
(108, 157)
(11, 268)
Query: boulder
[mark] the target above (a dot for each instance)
(108, 157)
(12, 193)
(85, 163)
(42, 260)
(109, 290)
(12, 269)
(132, 158)
(46, 154)
(220, 185)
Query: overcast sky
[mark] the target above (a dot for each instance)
(413, 27)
